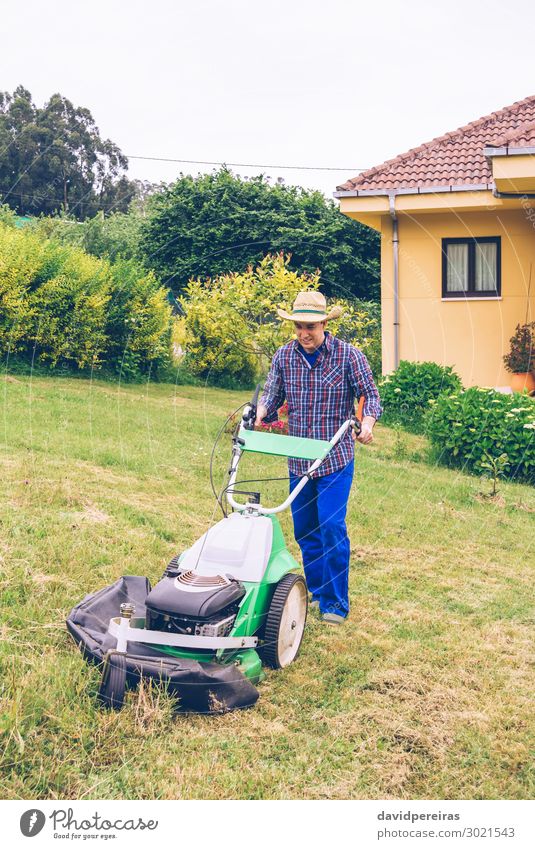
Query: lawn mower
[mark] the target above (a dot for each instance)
(223, 608)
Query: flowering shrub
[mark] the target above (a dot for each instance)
(281, 425)
(521, 356)
(472, 428)
(405, 394)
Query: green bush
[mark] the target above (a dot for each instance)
(219, 224)
(69, 312)
(360, 325)
(21, 259)
(406, 393)
(472, 429)
(7, 217)
(112, 237)
(138, 323)
(231, 325)
(61, 307)
(231, 328)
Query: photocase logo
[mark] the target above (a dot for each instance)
(31, 822)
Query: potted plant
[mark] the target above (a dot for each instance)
(520, 360)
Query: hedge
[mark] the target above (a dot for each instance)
(406, 392)
(467, 429)
(62, 307)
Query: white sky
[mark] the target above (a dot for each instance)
(299, 82)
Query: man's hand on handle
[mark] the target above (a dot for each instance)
(260, 413)
(366, 427)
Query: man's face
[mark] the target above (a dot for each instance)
(310, 335)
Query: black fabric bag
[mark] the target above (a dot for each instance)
(199, 687)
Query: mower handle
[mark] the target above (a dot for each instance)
(264, 511)
(249, 414)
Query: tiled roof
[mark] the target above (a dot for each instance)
(523, 136)
(455, 159)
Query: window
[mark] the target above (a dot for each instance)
(471, 267)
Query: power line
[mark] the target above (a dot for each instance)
(43, 197)
(242, 164)
(72, 204)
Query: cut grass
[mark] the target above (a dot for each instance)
(426, 691)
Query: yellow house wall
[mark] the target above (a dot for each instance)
(470, 335)
(514, 173)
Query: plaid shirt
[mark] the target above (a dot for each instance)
(320, 397)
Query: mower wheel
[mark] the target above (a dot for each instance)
(285, 621)
(113, 682)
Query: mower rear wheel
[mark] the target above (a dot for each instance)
(113, 681)
(285, 621)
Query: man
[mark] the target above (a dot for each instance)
(321, 377)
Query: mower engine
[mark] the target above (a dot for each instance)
(184, 602)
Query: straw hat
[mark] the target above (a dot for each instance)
(310, 306)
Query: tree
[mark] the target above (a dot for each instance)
(54, 159)
(217, 224)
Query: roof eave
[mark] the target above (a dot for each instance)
(508, 151)
(418, 190)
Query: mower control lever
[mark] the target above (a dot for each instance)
(249, 414)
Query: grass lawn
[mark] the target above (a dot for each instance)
(426, 691)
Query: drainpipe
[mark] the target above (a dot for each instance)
(395, 254)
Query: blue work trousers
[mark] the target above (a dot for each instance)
(319, 514)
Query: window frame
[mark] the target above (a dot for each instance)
(471, 292)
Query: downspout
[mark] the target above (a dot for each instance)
(395, 256)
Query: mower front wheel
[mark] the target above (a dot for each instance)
(113, 682)
(285, 622)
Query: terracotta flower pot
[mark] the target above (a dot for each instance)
(521, 382)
